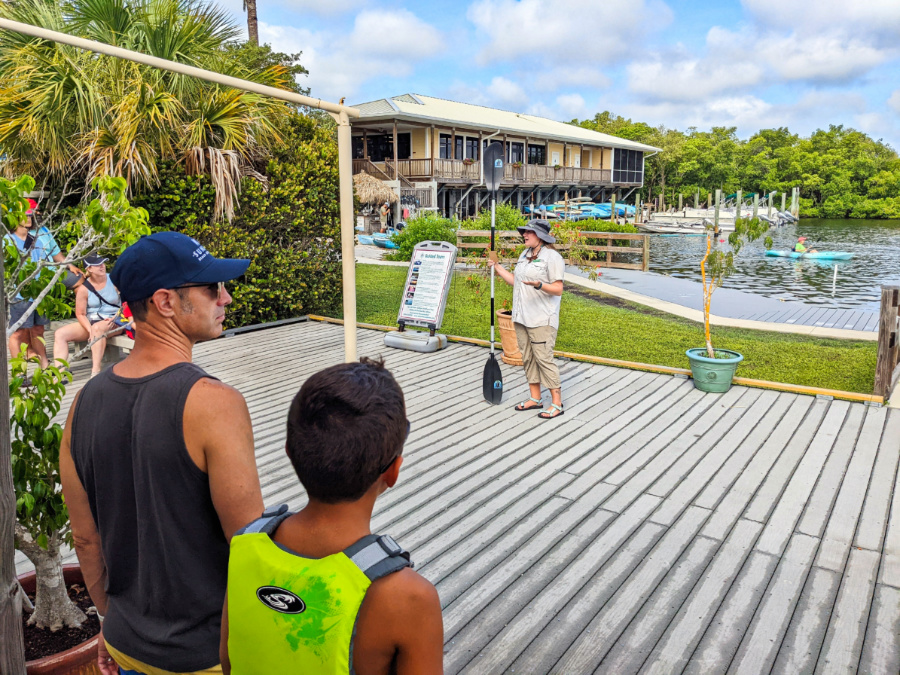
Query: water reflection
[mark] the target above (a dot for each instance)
(876, 261)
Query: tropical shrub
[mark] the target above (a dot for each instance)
(428, 226)
(289, 230)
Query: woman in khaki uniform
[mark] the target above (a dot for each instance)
(537, 293)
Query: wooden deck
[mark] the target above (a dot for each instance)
(651, 529)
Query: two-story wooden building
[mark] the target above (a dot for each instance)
(431, 148)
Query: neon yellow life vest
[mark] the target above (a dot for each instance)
(287, 613)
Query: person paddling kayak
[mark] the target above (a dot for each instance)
(800, 247)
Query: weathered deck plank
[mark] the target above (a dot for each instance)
(651, 529)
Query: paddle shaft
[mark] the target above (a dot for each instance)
(493, 217)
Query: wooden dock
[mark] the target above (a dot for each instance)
(651, 529)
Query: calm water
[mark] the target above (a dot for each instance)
(876, 261)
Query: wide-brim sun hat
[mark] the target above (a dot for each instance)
(169, 260)
(541, 228)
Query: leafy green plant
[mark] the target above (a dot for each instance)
(718, 264)
(428, 226)
(42, 525)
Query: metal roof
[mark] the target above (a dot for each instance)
(438, 111)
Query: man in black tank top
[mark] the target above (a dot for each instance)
(158, 467)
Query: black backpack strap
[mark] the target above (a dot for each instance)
(378, 555)
(268, 522)
(87, 285)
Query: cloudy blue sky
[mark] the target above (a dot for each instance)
(752, 64)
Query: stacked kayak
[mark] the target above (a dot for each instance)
(383, 241)
(822, 255)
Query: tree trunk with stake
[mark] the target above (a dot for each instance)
(12, 647)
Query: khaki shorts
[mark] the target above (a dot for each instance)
(536, 345)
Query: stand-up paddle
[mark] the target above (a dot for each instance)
(492, 381)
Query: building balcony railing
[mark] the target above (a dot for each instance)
(459, 171)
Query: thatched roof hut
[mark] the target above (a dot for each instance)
(370, 190)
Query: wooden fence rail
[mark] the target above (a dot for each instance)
(887, 370)
(636, 244)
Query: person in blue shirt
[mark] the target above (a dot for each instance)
(40, 242)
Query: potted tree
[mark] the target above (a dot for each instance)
(713, 369)
(29, 446)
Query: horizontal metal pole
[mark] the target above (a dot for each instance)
(183, 69)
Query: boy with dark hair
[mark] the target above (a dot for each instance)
(316, 591)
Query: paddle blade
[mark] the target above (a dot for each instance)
(492, 382)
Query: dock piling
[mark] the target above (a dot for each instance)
(783, 195)
(716, 214)
(738, 198)
(755, 204)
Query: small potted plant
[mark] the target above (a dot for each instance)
(468, 161)
(517, 165)
(713, 369)
(556, 167)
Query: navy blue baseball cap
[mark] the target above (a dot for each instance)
(169, 260)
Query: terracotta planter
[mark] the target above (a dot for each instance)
(80, 660)
(511, 353)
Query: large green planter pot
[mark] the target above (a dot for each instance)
(713, 375)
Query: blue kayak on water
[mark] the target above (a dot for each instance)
(822, 255)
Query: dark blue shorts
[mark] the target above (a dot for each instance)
(17, 309)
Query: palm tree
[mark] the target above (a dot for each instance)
(252, 22)
(65, 112)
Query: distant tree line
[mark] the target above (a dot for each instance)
(841, 172)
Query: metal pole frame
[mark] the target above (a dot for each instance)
(342, 115)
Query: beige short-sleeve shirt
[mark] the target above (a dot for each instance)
(531, 307)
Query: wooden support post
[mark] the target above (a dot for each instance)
(783, 195)
(709, 201)
(755, 204)
(453, 143)
(887, 372)
(697, 199)
(365, 144)
(680, 202)
(716, 213)
(396, 168)
(612, 210)
(769, 203)
(645, 258)
(795, 203)
(738, 198)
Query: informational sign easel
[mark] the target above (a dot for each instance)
(424, 297)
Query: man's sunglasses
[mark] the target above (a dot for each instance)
(393, 459)
(216, 288)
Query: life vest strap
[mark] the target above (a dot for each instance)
(375, 555)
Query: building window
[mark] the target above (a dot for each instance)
(445, 146)
(381, 147)
(459, 147)
(628, 166)
(472, 148)
(515, 152)
(537, 154)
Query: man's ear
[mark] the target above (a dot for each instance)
(393, 472)
(164, 301)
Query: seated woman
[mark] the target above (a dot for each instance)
(96, 304)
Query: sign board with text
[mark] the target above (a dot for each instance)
(427, 284)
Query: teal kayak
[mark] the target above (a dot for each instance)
(824, 255)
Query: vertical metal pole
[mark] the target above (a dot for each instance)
(348, 262)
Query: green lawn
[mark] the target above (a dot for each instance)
(619, 330)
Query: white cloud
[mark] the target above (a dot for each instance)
(572, 105)
(563, 31)
(569, 76)
(680, 77)
(875, 16)
(507, 92)
(339, 64)
(894, 101)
